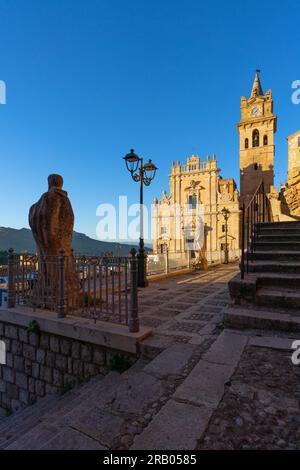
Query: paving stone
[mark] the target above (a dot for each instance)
(100, 425)
(205, 384)
(70, 439)
(273, 342)
(177, 426)
(227, 349)
(170, 361)
(132, 394)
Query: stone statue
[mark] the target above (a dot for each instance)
(52, 220)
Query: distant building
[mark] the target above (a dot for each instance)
(293, 154)
(197, 185)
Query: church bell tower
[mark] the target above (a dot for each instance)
(256, 129)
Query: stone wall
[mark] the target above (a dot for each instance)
(40, 364)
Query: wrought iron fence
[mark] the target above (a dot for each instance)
(166, 263)
(257, 211)
(102, 288)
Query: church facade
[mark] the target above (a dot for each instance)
(197, 188)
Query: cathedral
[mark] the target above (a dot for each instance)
(197, 184)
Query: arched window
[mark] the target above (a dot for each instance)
(246, 143)
(265, 140)
(255, 138)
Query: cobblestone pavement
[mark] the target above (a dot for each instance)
(260, 407)
(187, 307)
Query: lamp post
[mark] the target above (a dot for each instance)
(143, 174)
(226, 214)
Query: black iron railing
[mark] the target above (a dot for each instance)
(256, 211)
(102, 288)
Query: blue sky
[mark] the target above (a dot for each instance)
(88, 80)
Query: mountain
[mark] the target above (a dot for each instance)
(22, 241)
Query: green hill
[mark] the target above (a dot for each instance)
(22, 241)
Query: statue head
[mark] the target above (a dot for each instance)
(55, 181)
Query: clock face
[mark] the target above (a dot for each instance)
(256, 111)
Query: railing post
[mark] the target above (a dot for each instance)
(133, 320)
(167, 260)
(61, 308)
(11, 297)
(189, 258)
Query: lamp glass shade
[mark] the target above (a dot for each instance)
(132, 161)
(150, 170)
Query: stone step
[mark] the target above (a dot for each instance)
(262, 319)
(95, 417)
(277, 231)
(22, 421)
(283, 297)
(269, 255)
(274, 266)
(276, 237)
(285, 280)
(47, 426)
(279, 225)
(276, 245)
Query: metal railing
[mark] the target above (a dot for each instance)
(101, 288)
(166, 263)
(257, 211)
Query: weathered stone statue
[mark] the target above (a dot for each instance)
(52, 220)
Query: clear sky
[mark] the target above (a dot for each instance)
(89, 79)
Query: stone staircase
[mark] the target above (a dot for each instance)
(33, 426)
(105, 413)
(269, 295)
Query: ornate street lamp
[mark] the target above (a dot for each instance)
(143, 174)
(226, 214)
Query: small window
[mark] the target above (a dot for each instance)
(255, 138)
(246, 143)
(265, 140)
(255, 166)
(223, 228)
(164, 230)
(298, 141)
(193, 201)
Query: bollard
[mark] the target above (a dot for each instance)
(133, 321)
